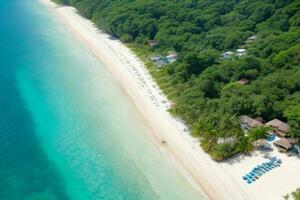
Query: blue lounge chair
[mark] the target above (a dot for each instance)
(256, 171)
(264, 168)
(279, 160)
(273, 158)
(253, 174)
(259, 174)
(265, 163)
(273, 165)
(263, 171)
(252, 179)
(270, 165)
(261, 168)
(249, 176)
(249, 180)
(267, 166)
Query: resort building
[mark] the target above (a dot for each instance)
(228, 54)
(241, 52)
(152, 43)
(293, 141)
(171, 57)
(252, 38)
(243, 81)
(279, 127)
(248, 122)
(155, 58)
(283, 144)
(260, 119)
(158, 60)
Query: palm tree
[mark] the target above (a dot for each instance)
(259, 132)
(244, 145)
(296, 194)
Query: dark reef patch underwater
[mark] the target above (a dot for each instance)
(25, 172)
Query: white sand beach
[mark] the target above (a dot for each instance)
(218, 180)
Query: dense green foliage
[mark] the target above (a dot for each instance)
(203, 86)
(296, 194)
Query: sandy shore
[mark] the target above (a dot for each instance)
(218, 180)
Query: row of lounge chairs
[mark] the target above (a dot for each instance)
(259, 170)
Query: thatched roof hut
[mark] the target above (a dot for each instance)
(279, 127)
(283, 144)
(250, 122)
(293, 140)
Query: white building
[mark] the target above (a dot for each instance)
(171, 57)
(252, 37)
(227, 54)
(241, 52)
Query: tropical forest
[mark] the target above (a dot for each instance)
(210, 85)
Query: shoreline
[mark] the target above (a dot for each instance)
(138, 85)
(217, 180)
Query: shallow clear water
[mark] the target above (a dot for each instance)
(67, 131)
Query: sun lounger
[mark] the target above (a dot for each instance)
(252, 174)
(273, 158)
(259, 170)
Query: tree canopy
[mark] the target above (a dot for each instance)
(203, 85)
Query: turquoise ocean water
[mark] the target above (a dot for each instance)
(67, 131)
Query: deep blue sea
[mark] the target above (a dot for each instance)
(67, 131)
